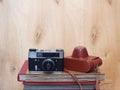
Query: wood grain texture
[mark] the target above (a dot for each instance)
(51, 24)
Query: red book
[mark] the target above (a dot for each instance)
(59, 78)
(23, 70)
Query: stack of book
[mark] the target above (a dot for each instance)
(58, 80)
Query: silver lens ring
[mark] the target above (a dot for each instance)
(50, 64)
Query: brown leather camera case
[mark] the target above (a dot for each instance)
(81, 61)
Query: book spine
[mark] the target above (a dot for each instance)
(58, 87)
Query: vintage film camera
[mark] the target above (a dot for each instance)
(46, 60)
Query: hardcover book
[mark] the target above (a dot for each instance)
(25, 75)
(59, 87)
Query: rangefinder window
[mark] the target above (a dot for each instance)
(50, 54)
(39, 54)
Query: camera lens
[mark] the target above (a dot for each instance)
(48, 65)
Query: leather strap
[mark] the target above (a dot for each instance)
(75, 78)
(97, 87)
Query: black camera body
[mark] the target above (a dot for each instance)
(46, 60)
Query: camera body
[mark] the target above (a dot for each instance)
(46, 60)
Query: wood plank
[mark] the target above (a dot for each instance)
(51, 24)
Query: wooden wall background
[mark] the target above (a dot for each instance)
(50, 24)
